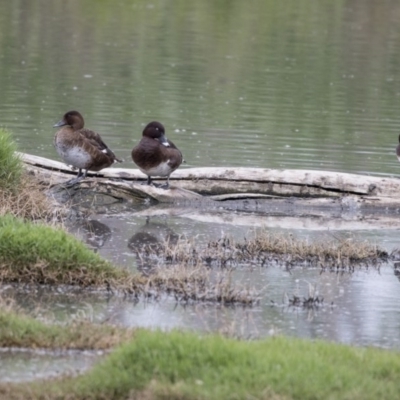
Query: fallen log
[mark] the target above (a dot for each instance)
(223, 184)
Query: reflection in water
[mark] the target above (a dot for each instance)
(397, 270)
(94, 233)
(148, 241)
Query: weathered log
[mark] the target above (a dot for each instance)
(229, 183)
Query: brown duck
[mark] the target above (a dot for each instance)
(155, 155)
(80, 147)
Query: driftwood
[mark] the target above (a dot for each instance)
(254, 187)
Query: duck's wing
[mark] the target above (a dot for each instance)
(95, 140)
(172, 146)
(177, 160)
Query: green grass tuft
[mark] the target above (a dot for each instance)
(34, 253)
(218, 368)
(11, 164)
(177, 365)
(42, 254)
(20, 330)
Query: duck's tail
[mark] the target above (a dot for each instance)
(111, 154)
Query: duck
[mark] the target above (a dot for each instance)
(155, 155)
(81, 147)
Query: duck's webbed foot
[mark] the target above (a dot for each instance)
(164, 186)
(157, 185)
(81, 175)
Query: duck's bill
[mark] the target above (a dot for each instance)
(164, 141)
(59, 123)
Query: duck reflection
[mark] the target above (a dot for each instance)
(148, 243)
(397, 269)
(93, 232)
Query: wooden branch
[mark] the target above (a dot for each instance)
(222, 184)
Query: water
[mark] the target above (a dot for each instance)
(260, 85)
(25, 364)
(263, 84)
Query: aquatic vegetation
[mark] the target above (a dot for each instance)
(198, 283)
(326, 252)
(178, 365)
(263, 248)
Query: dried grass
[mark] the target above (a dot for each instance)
(198, 283)
(329, 252)
(184, 282)
(264, 248)
(21, 196)
(29, 201)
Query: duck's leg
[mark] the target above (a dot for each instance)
(164, 186)
(148, 182)
(81, 175)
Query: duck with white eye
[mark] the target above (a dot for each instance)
(155, 155)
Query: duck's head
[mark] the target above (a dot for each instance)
(155, 130)
(72, 118)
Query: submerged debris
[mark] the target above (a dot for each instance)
(306, 302)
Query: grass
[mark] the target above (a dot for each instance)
(33, 253)
(11, 165)
(327, 252)
(28, 200)
(266, 248)
(177, 365)
(20, 330)
(20, 195)
(199, 283)
(36, 253)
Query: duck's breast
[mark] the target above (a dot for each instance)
(162, 169)
(75, 156)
